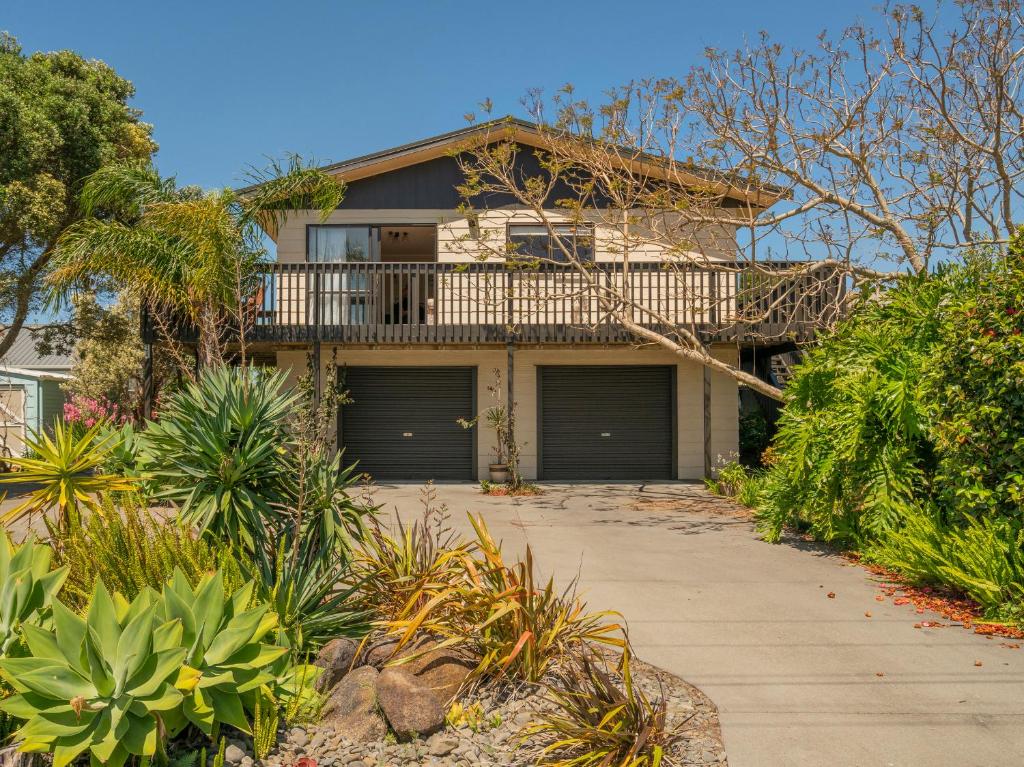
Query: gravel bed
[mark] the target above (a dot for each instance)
(498, 739)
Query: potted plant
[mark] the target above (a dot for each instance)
(498, 417)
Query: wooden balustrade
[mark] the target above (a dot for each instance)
(399, 303)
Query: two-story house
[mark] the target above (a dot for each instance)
(389, 285)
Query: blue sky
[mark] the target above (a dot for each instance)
(227, 83)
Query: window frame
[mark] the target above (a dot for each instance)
(509, 225)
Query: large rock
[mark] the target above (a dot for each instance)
(351, 708)
(441, 670)
(380, 652)
(335, 658)
(411, 708)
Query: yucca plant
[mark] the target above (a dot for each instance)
(599, 723)
(68, 471)
(102, 684)
(27, 589)
(516, 624)
(218, 451)
(130, 550)
(312, 606)
(223, 637)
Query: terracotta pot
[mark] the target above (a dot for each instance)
(499, 472)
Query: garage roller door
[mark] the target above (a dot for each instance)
(606, 422)
(402, 422)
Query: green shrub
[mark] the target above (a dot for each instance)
(975, 390)
(852, 451)
(216, 452)
(903, 432)
(223, 633)
(312, 606)
(68, 471)
(983, 558)
(27, 589)
(128, 549)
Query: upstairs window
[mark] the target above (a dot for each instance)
(535, 241)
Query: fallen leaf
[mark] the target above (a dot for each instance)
(901, 601)
(831, 595)
(917, 625)
(879, 673)
(880, 597)
(867, 614)
(920, 610)
(977, 663)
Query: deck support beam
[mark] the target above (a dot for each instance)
(708, 465)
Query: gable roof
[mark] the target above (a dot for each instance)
(23, 355)
(530, 134)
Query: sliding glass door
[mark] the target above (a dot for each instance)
(345, 298)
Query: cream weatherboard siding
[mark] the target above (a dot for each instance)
(454, 244)
(689, 394)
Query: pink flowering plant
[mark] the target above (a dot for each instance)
(86, 412)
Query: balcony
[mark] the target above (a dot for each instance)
(482, 303)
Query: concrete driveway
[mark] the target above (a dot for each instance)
(799, 678)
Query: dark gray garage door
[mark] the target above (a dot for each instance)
(402, 422)
(606, 422)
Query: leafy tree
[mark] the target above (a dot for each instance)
(62, 118)
(975, 389)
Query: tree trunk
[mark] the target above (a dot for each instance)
(24, 289)
(703, 357)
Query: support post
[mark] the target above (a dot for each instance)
(511, 450)
(317, 375)
(148, 382)
(707, 423)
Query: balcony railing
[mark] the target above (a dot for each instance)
(399, 303)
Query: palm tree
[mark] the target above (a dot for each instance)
(184, 252)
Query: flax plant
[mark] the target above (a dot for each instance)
(516, 625)
(598, 723)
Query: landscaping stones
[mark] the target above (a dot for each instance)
(411, 708)
(442, 671)
(351, 708)
(335, 658)
(356, 734)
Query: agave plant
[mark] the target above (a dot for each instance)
(68, 470)
(222, 635)
(102, 683)
(217, 451)
(27, 589)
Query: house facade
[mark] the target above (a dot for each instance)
(31, 393)
(406, 292)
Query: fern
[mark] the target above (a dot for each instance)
(129, 550)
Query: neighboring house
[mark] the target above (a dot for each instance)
(31, 396)
(389, 283)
